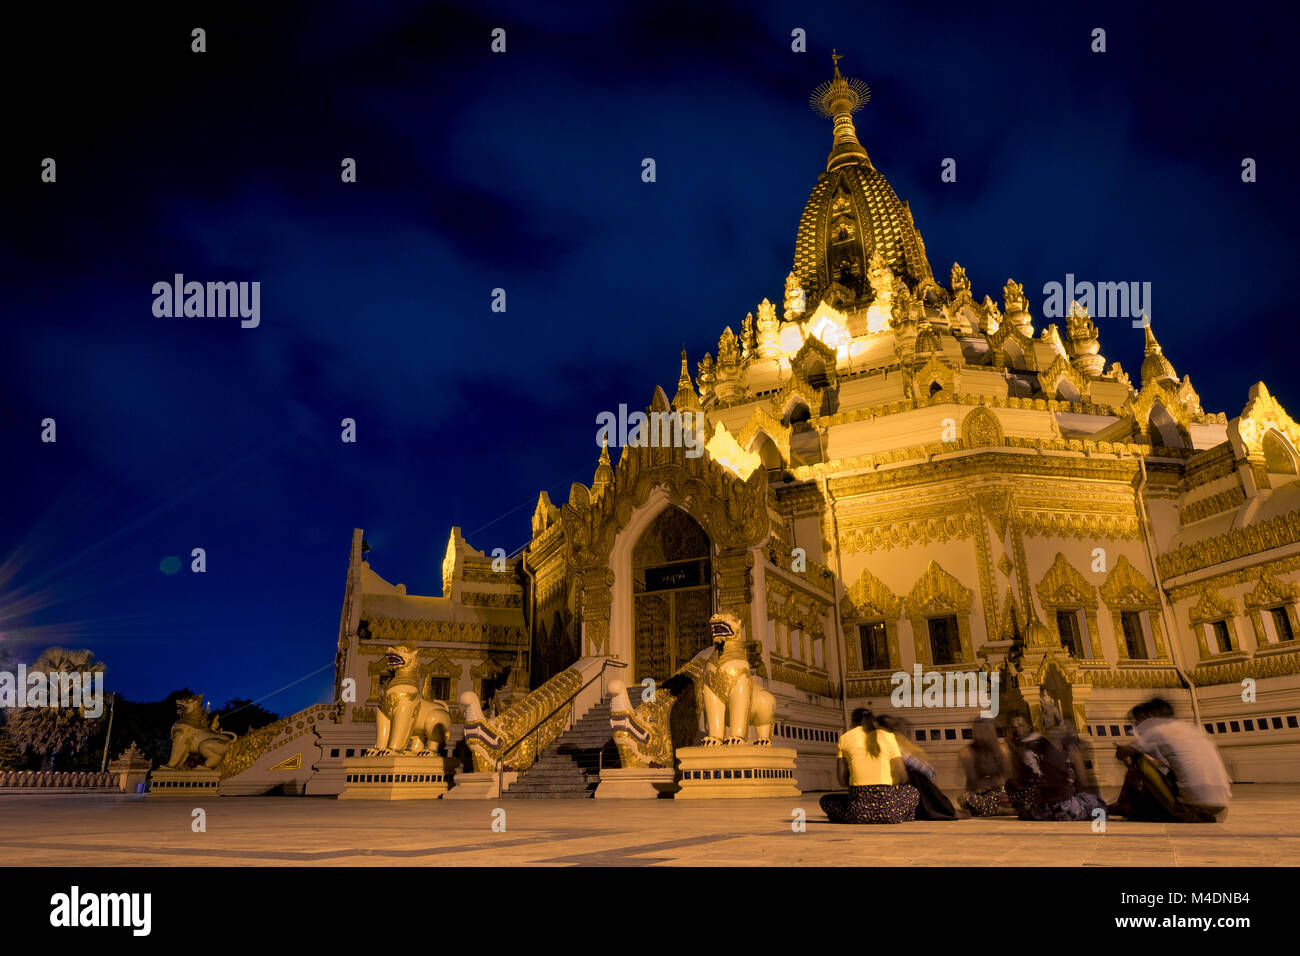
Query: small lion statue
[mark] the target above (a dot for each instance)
(193, 736)
(732, 701)
(408, 721)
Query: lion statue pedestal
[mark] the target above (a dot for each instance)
(727, 765)
(198, 747)
(410, 735)
(397, 777)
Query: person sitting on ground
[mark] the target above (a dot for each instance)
(933, 803)
(1174, 773)
(1049, 774)
(986, 764)
(870, 764)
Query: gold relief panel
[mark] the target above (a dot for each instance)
(491, 599)
(1258, 668)
(1080, 525)
(388, 630)
(1212, 505)
(1238, 543)
(810, 683)
(1135, 678)
(882, 532)
(472, 574)
(1249, 575)
(1022, 468)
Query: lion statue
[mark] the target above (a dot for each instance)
(732, 701)
(407, 720)
(193, 736)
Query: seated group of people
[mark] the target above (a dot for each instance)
(1174, 773)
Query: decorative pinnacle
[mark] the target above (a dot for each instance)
(838, 99)
(839, 94)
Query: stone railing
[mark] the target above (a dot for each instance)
(513, 740)
(648, 733)
(25, 780)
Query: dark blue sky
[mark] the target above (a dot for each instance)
(522, 171)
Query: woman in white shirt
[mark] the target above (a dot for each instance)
(870, 763)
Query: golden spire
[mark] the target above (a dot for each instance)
(604, 476)
(1155, 366)
(686, 399)
(838, 99)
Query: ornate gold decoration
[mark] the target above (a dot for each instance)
(1275, 532)
(1154, 365)
(1084, 345)
(1212, 505)
(526, 723)
(938, 593)
(1125, 589)
(981, 429)
(648, 735)
(387, 630)
(1213, 606)
(1259, 668)
(734, 513)
(1064, 588)
(869, 599)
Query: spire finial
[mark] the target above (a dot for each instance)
(686, 399)
(838, 99)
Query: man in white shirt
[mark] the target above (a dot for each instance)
(1175, 772)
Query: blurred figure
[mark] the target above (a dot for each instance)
(1174, 774)
(870, 764)
(933, 803)
(1048, 774)
(986, 764)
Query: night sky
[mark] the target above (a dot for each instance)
(522, 171)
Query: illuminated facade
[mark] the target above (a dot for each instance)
(896, 474)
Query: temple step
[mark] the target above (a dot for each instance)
(570, 767)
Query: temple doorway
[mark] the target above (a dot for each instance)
(672, 594)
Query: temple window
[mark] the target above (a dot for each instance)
(945, 645)
(1281, 624)
(1135, 640)
(875, 645)
(1073, 637)
(870, 611)
(1220, 638)
(939, 607)
(1135, 609)
(440, 688)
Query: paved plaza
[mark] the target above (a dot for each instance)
(1262, 829)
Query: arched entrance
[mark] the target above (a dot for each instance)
(672, 594)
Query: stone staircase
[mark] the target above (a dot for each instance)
(570, 766)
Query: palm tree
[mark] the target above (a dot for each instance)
(51, 731)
